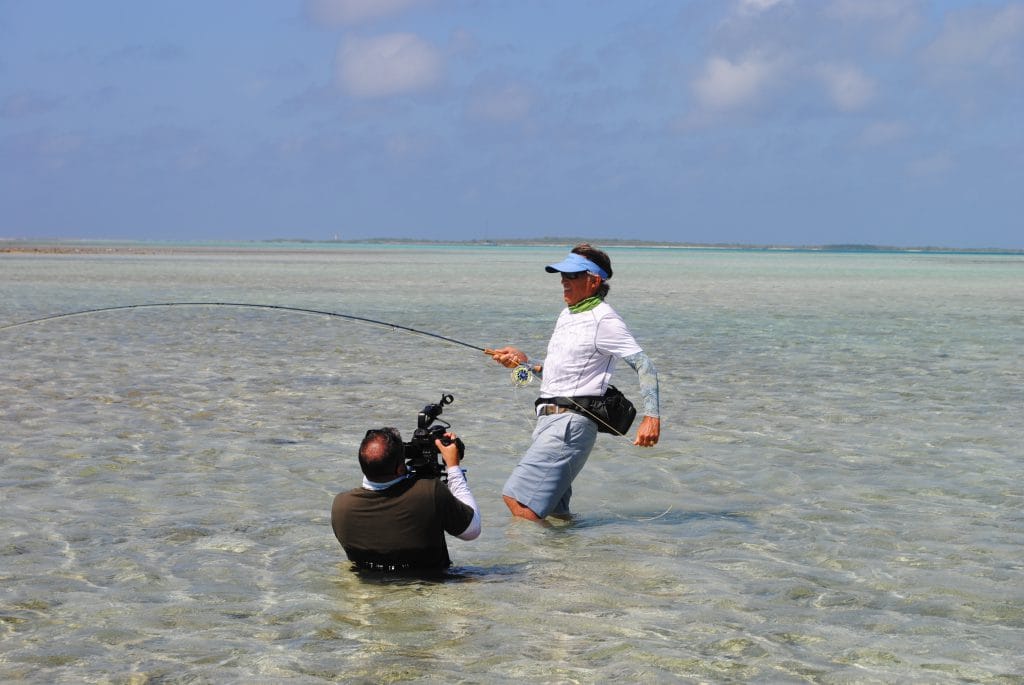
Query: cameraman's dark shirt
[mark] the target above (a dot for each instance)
(401, 527)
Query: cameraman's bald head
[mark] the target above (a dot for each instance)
(381, 454)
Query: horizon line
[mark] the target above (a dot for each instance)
(27, 244)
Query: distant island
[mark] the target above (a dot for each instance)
(67, 246)
(621, 242)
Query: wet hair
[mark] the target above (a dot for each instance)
(600, 258)
(380, 453)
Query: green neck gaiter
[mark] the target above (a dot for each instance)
(585, 305)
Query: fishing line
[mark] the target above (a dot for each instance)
(644, 518)
(522, 376)
(279, 307)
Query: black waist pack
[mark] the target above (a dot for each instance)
(612, 412)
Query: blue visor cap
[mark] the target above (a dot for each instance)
(575, 263)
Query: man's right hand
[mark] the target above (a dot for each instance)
(509, 357)
(449, 452)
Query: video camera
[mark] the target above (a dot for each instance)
(422, 457)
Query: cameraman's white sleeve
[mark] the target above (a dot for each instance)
(460, 488)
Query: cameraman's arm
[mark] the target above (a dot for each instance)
(459, 487)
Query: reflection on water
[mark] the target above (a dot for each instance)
(836, 497)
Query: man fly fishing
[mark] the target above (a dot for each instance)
(576, 373)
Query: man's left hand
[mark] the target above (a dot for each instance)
(648, 433)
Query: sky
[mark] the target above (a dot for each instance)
(765, 122)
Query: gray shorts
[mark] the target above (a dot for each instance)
(542, 480)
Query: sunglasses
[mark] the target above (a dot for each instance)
(573, 275)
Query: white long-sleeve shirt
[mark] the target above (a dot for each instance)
(460, 488)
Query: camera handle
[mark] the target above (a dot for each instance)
(432, 411)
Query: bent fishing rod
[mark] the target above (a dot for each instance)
(278, 307)
(521, 375)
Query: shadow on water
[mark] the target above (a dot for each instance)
(669, 517)
(455, 574)
(280, 441)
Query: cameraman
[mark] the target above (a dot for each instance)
(397, 522)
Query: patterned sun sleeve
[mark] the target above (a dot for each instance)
(648, 376)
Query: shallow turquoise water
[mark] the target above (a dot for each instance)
(836, 497)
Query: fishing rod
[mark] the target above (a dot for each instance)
(521, 374)
(278, 307)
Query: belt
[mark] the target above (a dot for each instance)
(547, 409)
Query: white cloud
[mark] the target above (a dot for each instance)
(873, 10)
(508, 103)
(982, 37)
(348, 12)
(26, 104)
(390, 64)
(727, 85)
(409, 147)
(933, 166)
(758, 6)
(192, 158)
(883, 133)
(892, 24)
(847, 86)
